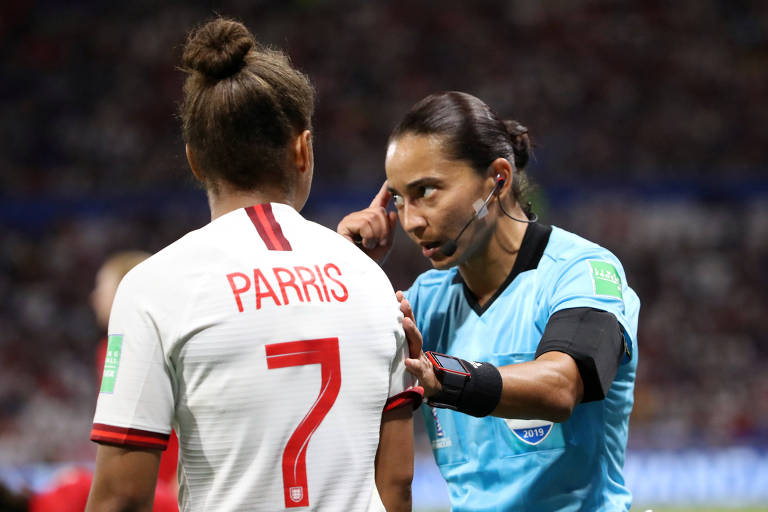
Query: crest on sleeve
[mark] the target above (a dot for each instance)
(605, 279)
(111, 363)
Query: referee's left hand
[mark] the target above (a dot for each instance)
(417, 363)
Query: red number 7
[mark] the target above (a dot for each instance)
(324, 352)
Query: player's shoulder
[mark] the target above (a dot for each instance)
(148, 274)
(205, 247)
(341, 248)
(310, 238)
(170, 262)
(328, 239)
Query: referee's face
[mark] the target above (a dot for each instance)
(433, 195)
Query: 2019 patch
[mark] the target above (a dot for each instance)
(530, 432)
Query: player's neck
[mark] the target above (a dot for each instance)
(227, 199)
(486, 271)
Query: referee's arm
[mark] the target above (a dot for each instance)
(576, 361)
(547, 388)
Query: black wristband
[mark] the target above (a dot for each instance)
(480, 395)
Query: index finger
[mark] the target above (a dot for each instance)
(382, 197)
(405, 307)
(413, 337)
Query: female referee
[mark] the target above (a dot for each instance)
(533, 328)
(271, 346)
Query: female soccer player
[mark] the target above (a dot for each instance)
(534, 328)
(269, 344)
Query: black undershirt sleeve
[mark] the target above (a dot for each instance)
(594, 339)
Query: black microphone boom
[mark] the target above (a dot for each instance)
(449, 247)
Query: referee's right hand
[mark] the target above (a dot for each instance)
(417, 363)
(372, 229)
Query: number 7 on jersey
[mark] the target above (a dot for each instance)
(324, 352)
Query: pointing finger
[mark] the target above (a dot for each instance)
(383, 196)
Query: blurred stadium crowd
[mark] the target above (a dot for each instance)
(647, 119)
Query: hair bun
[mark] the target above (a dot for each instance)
(521, 142)
(514, 129)
(218, 48)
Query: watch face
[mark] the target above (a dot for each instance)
(449, 363)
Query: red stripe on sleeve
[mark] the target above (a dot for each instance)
(411, 396)
(134, 437)
(274, 227)
(251, 211)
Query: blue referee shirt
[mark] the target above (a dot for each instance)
(493, 464)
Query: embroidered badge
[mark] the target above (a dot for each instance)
(605, 279)
(296, 494)
(111, 363)
(530, 432)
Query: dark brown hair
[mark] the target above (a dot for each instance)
(471, 131)
(243, 103)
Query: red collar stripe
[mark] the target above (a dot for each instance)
(270, 231)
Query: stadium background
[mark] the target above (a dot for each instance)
(648, 119)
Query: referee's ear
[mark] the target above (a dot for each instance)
(503, 169)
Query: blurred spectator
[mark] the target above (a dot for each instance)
(108, 278)
(68, 492)
(650, 90)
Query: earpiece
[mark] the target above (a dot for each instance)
(499, 184)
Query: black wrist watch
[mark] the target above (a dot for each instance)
(453, 376)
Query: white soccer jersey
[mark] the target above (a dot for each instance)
(271, 345)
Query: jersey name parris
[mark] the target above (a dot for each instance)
(271, 345)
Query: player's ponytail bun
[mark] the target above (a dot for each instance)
(243, 104)
(218, 48)
(521, 142)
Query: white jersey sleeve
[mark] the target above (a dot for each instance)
(135, 406)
